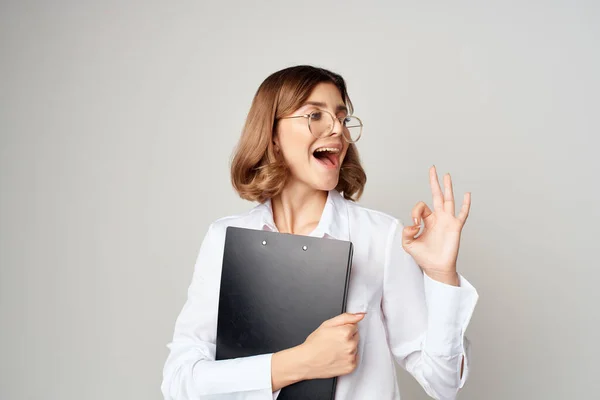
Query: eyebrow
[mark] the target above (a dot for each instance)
(339, 108)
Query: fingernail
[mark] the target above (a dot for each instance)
(416, 221)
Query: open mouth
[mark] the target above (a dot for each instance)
(327, 156)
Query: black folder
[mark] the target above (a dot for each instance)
(276, 289)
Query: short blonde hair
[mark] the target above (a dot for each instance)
(257, 173)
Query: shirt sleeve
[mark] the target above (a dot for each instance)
(190, 371)
(425, 321)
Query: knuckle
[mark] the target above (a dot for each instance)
(349, 367)
(352, 366)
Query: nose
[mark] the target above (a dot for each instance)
(337, 127)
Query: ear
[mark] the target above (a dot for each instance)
(276, 144)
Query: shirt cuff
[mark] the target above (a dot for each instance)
(251, 373)
(449, 311)
(276, 393)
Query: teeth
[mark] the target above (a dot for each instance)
(330, 149)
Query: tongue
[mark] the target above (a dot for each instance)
(326, 158)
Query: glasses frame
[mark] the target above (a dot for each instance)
(307, 116)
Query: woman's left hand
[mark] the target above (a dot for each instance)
(436, 248)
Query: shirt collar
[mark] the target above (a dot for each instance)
(333, 222)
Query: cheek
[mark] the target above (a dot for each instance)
(295, 147)
(345, 153)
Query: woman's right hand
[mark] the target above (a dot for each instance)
(332, 349)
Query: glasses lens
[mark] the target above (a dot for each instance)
(353, 128)
(320, 123)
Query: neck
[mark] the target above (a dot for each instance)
(298, 209)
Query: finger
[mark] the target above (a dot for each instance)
(408, 234)
(448, 195)
(345, 318)
(436, 190)
(419, 213)
(350, 330)
(466, 206)
(354, 342)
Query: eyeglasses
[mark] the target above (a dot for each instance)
(321, 123)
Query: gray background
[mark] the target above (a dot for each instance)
(118, 120)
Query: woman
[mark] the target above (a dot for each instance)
(297, 157)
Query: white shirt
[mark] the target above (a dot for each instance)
(410, 317)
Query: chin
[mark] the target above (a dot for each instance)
(327, 185)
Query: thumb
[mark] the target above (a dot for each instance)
(345, 318)
(409, 233)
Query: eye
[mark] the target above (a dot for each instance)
(316, 115)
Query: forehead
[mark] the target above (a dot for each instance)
(325, 95)
(326, 92)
